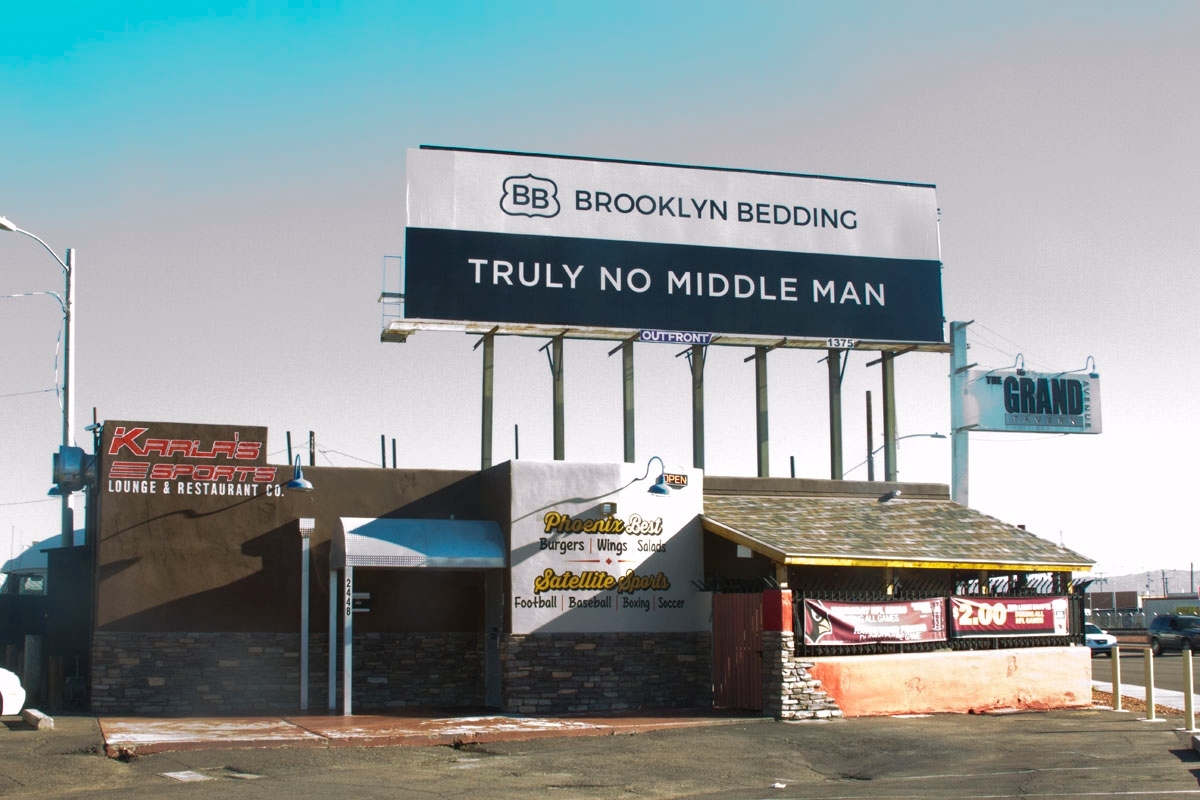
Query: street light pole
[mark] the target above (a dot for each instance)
(870, 462)
(68, 378)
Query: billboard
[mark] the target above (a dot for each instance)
(1032, 402)
(529, 239)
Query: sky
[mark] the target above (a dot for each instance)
(232, 176)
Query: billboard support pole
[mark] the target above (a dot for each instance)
(489, 364)
(959, 433)
(696, 359)
(761, 420)
(555, 354)
(627, 373)
(888, 368)
(870, 441)
(834, 362)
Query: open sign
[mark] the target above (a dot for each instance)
(674, 479)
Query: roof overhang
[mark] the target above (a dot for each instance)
(421, 543)
(849, 532)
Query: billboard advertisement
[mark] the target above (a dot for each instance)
(827, 622)
(529, 239)
(1032, 402)
(1017, 616)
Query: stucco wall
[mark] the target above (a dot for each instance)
(170, 557)
(949, 682)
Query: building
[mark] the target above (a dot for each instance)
(541, 587)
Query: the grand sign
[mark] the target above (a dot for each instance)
(1032, 402)
(503, 237)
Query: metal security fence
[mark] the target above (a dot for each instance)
(936, 590)
(1120, 620)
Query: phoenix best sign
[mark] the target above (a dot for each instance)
(603, 555)
(501, 237)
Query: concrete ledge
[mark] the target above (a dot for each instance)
(965, 681)
(127, 737)
(37, 720)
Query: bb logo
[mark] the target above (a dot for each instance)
(529, 196)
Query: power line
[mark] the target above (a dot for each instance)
(32, 391)
(30, 502)
(1012, 354)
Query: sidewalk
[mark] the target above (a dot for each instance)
(129, 736)
(1162, 697)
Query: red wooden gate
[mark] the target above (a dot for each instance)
(737, 651)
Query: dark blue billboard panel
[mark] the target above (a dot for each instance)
(549, 280)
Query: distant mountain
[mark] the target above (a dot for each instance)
(1155, 583)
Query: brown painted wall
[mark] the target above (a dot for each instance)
(199, 562)
(721, 560)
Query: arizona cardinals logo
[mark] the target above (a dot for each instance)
(818, 623)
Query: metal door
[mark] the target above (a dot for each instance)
(737, 651)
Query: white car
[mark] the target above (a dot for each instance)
(12, 696)
(1100, 641)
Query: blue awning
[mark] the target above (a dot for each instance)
(430, 543)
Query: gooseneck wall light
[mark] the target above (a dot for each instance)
(298, 483)
(660, 484)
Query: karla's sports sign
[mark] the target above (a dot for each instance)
(505, 237)
(186, 460)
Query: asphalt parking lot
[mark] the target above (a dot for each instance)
(1088, 752)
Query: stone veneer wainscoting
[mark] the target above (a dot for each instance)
(248, 673)
(561, 673)
(789, 691)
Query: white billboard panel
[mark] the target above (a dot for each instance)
(623, 201)
(531, 239)
(1032, 402)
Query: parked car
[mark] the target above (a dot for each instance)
(1171, 632)
(12, 696)
(1100, 641)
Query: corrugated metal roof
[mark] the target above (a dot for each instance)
(862, 531)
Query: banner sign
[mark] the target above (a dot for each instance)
(508, 237)
(1012, 616)
(831, 623)
(1032, 402)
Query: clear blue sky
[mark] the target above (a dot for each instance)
(232, 176)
